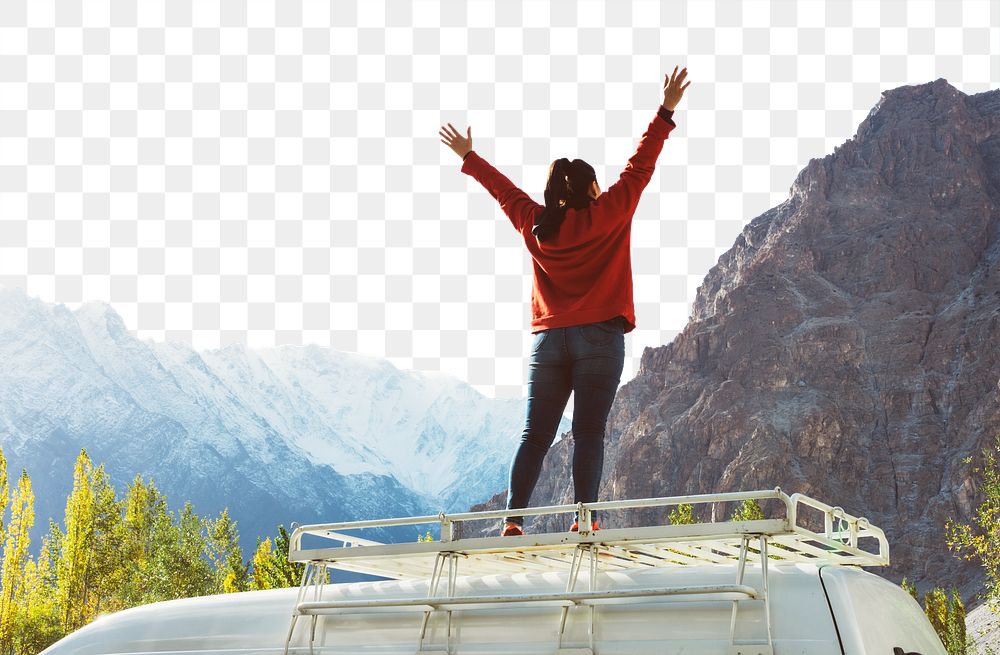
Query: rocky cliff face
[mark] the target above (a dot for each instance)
(847, 346)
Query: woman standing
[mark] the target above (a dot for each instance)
(581, 297)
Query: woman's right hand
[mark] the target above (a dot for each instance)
(672, 89)
(454, 140)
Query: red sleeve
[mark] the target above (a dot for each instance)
(622, 197)
(520, 209)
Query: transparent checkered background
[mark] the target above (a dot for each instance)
(271, 172)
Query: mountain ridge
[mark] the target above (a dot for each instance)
(293, 433)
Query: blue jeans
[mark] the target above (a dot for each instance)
(587, 360)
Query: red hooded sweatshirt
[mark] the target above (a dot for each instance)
(583, 274)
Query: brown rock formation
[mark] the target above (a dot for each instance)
(845, 347)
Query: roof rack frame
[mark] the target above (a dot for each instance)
(724, 543)
(837, 542)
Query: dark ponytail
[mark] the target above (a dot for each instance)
(569, 181)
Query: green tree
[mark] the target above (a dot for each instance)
(955, 640)
(683, 514)
(271, 567)
(265, 566)
(104, 579)
(946, 614)
(15, 556)
(910, 588)
(39, 620)
(145, 519)
(981, 540)
(936, 609)
(226, 555)
(182, 556)
(290, 572)
(76, 555)
(52, 549)
(748, 510)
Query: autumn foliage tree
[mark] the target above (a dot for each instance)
(110, 553)
(979, 540)
(76, 553)
(681, 515)
(15, 555)
(270, 566)
(748, 510)
(946, 614)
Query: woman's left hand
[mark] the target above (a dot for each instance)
(460, 144)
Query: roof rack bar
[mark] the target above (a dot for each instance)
(572, 597)
(547, 541)
(442, 518)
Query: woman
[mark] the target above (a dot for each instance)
(581, 298)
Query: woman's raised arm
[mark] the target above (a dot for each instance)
(623, 196)
(514, 202)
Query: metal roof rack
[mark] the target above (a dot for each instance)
(725, 543)
(619, 548)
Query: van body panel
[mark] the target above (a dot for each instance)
(875, 616)
(257, 622)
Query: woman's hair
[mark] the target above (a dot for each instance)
(569, 181)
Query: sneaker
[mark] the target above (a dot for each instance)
(576, 528)
(511, 530)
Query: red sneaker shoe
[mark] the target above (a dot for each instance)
(576, 528)
(511, 530)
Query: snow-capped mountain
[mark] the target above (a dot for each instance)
(303, 434)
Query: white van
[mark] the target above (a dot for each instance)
(763, 587)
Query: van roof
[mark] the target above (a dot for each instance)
(610, 586)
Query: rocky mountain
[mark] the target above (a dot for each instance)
(302, 434)
(847, 346)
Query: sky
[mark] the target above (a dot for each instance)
(271, 172)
